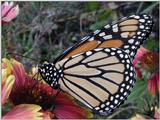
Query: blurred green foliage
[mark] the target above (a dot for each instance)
(43, 30)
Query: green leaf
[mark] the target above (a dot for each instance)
(152, 44)
(104, 14)
(97, 25)
(138, 90)
(91, 6)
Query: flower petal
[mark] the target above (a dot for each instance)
(72, 112)
(5, 8)
(138, 72)
(12, 13)
(24, 111)
(7, 87)
(19, 72)
(138, 117)
(141, 51)
(157, 113)
(66, 108)
(154, 84)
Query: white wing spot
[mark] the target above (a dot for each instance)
(143, 34)
(137, 43)
(128, 61)
(106, 108)
(121, 90)
(111, 98)
(119, 51)
(121, 98)
(142, 26)
(115, 101)
(108, 37)
(111, 106)
(139, 37)
(132, 53)
(92, 38)
(127, 51)
(141, 20)
(98, 49)
(133, 47)
(112, 53)
(103, 105)
(107, 50)
(126, 72)
(137, 17)
(138, 33)
(130, 81)
(131, 41)
(107, 26)
(117, 96)
(107, 103)
(127, 78)
(125, 93)
(96, 32)
(127, 65)
(88, 53)
(113, 48)
(102, 34)
(126, 56)
(131, 74)
(124, 34)
(115, 29)
(97, 108)
(126, 46)
(123, 85)
(131, 68)
(121, 55)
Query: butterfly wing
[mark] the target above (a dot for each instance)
(101, 78)
(127, 34)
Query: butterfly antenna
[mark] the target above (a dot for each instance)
(10, 53)
(35, 77)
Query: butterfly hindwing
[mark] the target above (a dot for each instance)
(100, 78)
(98, 70)
(127, 34)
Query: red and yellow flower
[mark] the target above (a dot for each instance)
(36, 99)
(147, 61)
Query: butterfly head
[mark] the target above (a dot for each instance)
(49, 74)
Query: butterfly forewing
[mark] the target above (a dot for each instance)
(100, 78)
(127, 34)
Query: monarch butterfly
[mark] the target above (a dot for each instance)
(98, 70)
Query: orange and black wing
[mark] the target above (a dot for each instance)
(127, 34)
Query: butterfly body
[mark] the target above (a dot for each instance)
(98, 70)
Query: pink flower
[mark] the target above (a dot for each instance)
(154, 84)
(141, 51)
(9, 12)
(28, 90)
